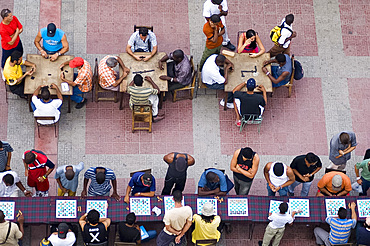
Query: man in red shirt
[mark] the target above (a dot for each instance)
(35, 163)
(10, 28)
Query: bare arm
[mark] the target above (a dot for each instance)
(147, 194)
(25, 192)
(183, 231)
(105, 221)
(59, 94)
(84, 190)
(14, 36)
(21, 222)
(241, 43)
(316, 170)
(65, 44)
(127, 196)
(291, 177)
(262, 49)
(171, 230)
(129, 51)
(352, 206)
(37, 91)
(169, 158)
(38, 45)
(82, 221)
(239, 87)
(191, 160)
(282, 77)
(217, 192)
(8, 162)
(155, 86)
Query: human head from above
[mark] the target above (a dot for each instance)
(247, 153)
(143, 32)
(77, 62)
(16, 57)
(283, 207)
(251, 34)
(278, 169)
(220, 60)
(130, 218)
(8, 179)
(251, 85)
(311, 159)
(214, 20)
(138, 80)
(100, 175)
(29, 157)
(147, 179)
(111, 62)
(177, 196)
(7, 15)
(212, 177)
(180, 164)
(289, 19)
(344, 138)
(63, 230)
(178, 56)
(69, 173)
(342, 213)
(217, 2)
(93, 217)
(336, 182)
(281, 59)
(2, 216)
(45, 93)
(51, 29)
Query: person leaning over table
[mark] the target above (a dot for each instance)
(280, 75)
(278, 176)
(9, 181)
(54, 42)
(250, 42)
(108, 78)
(334, 184)
(82, 82)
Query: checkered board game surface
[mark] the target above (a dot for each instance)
(8, 209)
(333, 205)
(100, 205)
(66, 209)
(300, 204)
(140, 205)
(169, 203)
(202, 201)
(237, 207)
(363, 207)
(274, 206)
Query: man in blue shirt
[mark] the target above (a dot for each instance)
(141, 184)
(280, 75)
(100, 182)
(67, 178)
(340, 228)
(143, 40)
(214, 182)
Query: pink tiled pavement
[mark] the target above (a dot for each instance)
(108, 130)
(50, 12)
(290, 125)
(262, 16)
(359, 89)
(355, 20)
(111, 22)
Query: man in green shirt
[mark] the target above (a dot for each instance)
(364, 179)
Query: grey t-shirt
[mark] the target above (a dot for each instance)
(336, 145)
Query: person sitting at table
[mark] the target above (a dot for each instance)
(278, 176)
(130, 232)
(249, 103)
(280, 75)
(94, 228)
(108, 78)
(82, 82)
(46, 106)
(15, 233)
(178, 70)
(216, 78)
(214, 182)
(54, 42)
(63, 236)
(249, 42)
(143, 40)
(334, 184)
(13, 74)
(9, 181)
(206, 224)
(144, 95)
(363, 232)
(141, 184)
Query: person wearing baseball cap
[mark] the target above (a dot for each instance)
(334, 184)
(178, 164)
(141, 184)
(63, 236)
(54, 42)
(206, 224)
(249, 103)
(82, 80)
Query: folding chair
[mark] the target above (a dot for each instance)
(46, 118)
(138, 27)
(189, 87)
(251, 119)
(98, 89)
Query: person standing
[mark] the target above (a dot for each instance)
(10, 28)
(278, 176)
(9, 181)
(67, 178)
(364, 179)
(5, 156)
(282, 46)
(178, 164)
(341, 146)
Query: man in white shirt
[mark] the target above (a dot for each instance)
(218, 7)
(63, 237)
(278, 176)
(46, 106)
(287, 34)
(9, 181)
(215, 78)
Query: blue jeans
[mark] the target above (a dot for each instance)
(152, 235)
(76, 92)
(282, 192)
(7, 53)
(274, 74)
(215, 86)
(365, 186)
(305, 187)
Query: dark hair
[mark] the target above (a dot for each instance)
(178, 54)
(207, 219)
(5, 13)
(344, 138)
(177, 195)
(9, 179)
(45, 93)
(211, 176)
(311, 158)
(342, 213)
(100, 177)
(220, 58)
(283, 207)
(29, 157)
(93, 216)
(215, 18)
(367, 154)
(278, 169)
(280, 58)
(1, 144)
(143, 31)
(15, 56)
(138, 80)
(250, 33)
(217, 1)
(130, 218)
(289, 19)
(247, 152)
(2, 216)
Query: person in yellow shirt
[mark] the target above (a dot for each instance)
(13, 73)
(206, 225)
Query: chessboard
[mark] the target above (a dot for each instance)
(66, 209)
(140, 205)
(237, 206)
(99, 205)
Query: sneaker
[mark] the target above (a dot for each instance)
(222, 102)
(229, 46)
(238, 123)
(229, 105)
(81, 104)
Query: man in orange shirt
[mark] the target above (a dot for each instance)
(334, 184)
(213, 29)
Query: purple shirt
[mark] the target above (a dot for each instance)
(182, 70)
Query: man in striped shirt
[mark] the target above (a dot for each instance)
(144, 95)
(108, 78)
(340, 228)
(100, 182)
(5, 156)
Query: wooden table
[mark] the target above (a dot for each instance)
(48, 72)
(246, 67)
(148, 68)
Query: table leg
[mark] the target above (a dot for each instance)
(121, 101)
(69, 104)
(225, 100)
(161, 100)
(251, 229)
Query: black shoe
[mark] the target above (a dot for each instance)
(81, 104)
(259, 243)
(230, 46)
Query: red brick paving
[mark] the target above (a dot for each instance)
(50, 11)
(290, 125)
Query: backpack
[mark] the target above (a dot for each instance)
(298, 70)
(45, 242)
(275, 33)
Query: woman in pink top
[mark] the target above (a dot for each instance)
(249, 42)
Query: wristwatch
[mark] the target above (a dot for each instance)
(59, 54)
